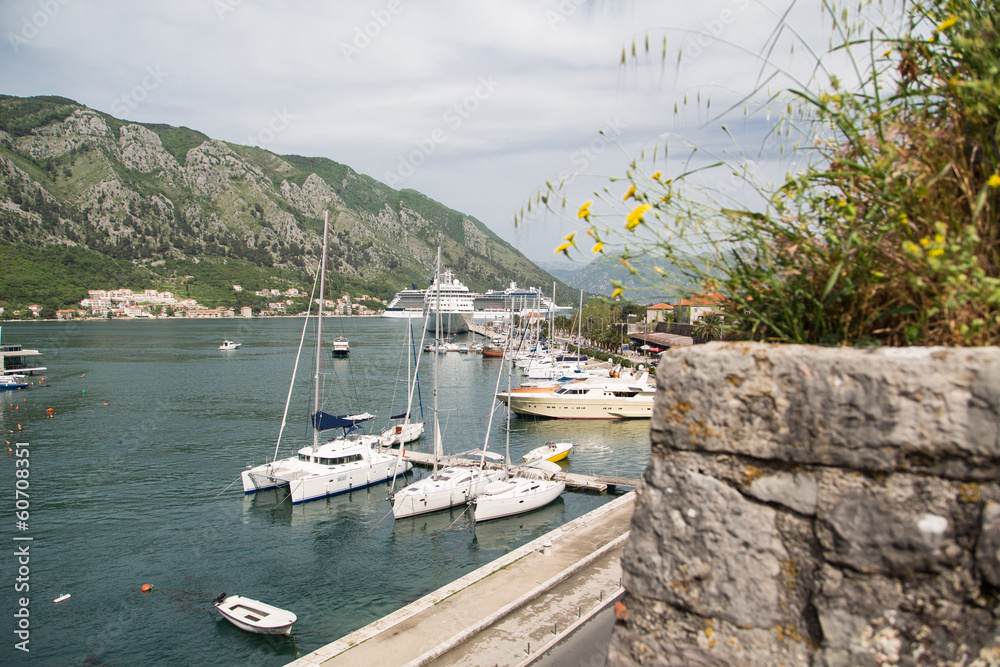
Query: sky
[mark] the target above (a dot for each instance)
(477, 104)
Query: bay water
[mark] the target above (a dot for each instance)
(134, 480)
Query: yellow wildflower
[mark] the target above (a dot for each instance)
(947, 23)
(617, 293)
(656, 176)
(886, 54)
(925, 241)
(635, 217)
(598, 247)
(994, 181)
(564, 248)
(569, 237)
(936, 252)
(939, 238)
(630, 193)
(584, 210)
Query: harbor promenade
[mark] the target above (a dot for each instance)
(511, 611)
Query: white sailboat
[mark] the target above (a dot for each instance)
(403, 430)
(450, 486)
(530, 487)
(322, 469)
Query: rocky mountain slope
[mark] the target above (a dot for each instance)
(151, 194)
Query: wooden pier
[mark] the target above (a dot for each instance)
(574, 481)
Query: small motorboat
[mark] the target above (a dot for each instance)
(550, 451)
(229, 345)
(12, 381)
(341, 348)
(254, 616)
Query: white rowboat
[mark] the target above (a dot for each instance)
(254, 616)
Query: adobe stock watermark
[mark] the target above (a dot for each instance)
(32, 25)
(563, 11)
(364, 35)
(454, 117)
(279, 122)
(127, 101)
(22, 543)
(223, 7)
(697, 41)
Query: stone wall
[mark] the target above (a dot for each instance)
(817, 506)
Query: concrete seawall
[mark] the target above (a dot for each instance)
(506, 612)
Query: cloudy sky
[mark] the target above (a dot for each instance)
(476, 103)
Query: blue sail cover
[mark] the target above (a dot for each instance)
(324, 422)
(402, 415)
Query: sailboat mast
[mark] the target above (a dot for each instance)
(437, 328)
(319, 332)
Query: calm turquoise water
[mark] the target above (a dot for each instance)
(152, 423)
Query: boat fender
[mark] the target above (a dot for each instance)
(220, 599)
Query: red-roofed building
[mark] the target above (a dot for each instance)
(691, 310)
(661, 312)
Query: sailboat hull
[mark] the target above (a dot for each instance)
(314, 479)
(453, 486)
(524, 496)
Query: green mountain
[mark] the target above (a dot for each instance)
(88, 201)
(600, 276)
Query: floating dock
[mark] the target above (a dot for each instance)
(574, 481)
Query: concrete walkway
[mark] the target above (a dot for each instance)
(507, 612)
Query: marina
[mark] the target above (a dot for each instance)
(133, 464)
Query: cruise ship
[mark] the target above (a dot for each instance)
(493, 306)
(407, 303)
(454, 302)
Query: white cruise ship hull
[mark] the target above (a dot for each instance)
(403, 314)
(451, 323)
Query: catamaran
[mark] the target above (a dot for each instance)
(347, 462)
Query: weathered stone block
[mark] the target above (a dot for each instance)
(703, 546)
(815, 506)
(923, 409)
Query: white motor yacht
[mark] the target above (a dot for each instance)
(625, 397)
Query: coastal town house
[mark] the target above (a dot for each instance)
(691, 310)
(661, 312)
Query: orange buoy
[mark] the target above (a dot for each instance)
(105, 405)
(146, 588)
(50, 410)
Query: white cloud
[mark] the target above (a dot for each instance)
(371, 83)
